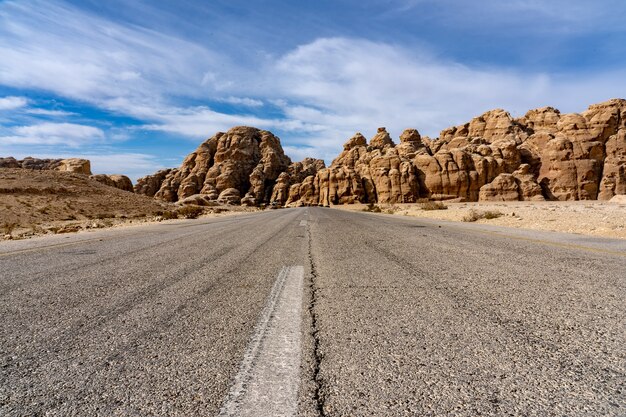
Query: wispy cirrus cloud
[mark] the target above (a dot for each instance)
(315, 94)
(12, 102)
(243, 101)
(50, 113)
(64, 134)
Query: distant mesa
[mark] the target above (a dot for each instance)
(544, 155)
(74, 165)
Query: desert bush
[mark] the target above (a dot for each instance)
(7, 228)
(190, 212)
(169, 215)
(475, 215)
(372, 208)
(36, 229)
(472, 216)
(434, 205)
(391, 209)
(492, 215)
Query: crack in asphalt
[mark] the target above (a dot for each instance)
(318, 394)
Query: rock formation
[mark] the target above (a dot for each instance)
(118, 181)
(243, 163)
(542, 155)
(76, 165)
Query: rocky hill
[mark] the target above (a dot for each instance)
(74, 165)
(244, 165)
(36, 197)
(544, 155)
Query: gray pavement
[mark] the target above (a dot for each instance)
(396, 316)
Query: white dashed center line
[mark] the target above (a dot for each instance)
(269, 377)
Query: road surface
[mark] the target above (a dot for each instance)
(313, 312)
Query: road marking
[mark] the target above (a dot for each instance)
(269, 376)
(303, 222)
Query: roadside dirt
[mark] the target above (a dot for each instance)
(593, 218)
(34, 203)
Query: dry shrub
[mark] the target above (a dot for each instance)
(434, 205)
(190, 212)
(372, 208)
(475, 215)
(36, 229)
(492, 215)
(169, 215)
(391, 209)
(7, 228)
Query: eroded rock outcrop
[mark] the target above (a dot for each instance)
(244, 159)
(542, 155)
(76, 165)
(118, 181)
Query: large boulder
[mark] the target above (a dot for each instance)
(118, 181)
(76, 165)
(229, 196)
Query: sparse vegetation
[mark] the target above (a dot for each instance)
(475, 215)
(372, 208)
(434, 205)
(7, 228)
(492, 215)
(391, 209)
(169, 215)
(36, 229)
(190, 212)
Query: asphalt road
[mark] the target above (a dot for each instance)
(313, 312)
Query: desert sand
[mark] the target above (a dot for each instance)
(593, 218)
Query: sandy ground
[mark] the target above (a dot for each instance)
(61, 227)
(594, 218)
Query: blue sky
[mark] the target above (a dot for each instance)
(137, 85)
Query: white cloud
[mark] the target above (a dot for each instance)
(326, 89)
(64, 134)
(348, 85)
(12, 102)
(52, 46)
(524, 15)
(244, 101)
(134, 165)
(51, 113)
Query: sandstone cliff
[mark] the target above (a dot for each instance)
(244, 165)
(494, 157)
